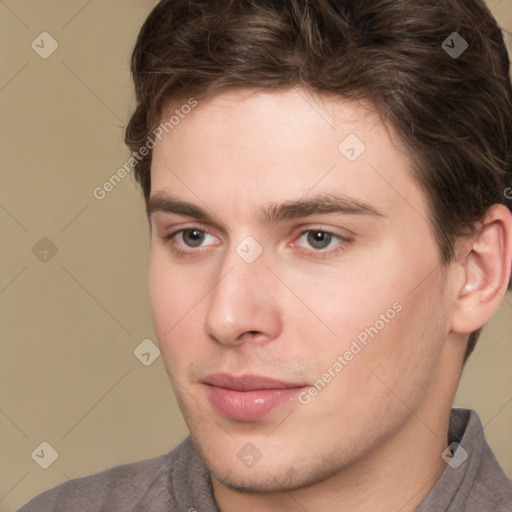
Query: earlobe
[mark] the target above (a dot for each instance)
(487, 266)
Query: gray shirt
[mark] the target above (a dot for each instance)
(179, 481)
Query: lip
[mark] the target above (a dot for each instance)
(248, 397)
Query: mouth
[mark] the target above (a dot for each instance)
(248, 397)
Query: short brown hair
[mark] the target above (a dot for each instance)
(454, 113)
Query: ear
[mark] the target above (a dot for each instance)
(486, 264)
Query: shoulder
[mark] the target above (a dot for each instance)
(491, 486)
(484, 486)
(120, 488)
(472, 481)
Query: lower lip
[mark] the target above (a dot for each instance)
(249, 405)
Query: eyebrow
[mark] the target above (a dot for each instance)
(321, 204)
(324, 203)
(169, 204)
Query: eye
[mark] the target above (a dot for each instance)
(320, 243)
(189, 241)
(319, 239)
(192, 237)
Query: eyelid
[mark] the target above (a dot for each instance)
(167, 220)
(170, 230)
(327, 230)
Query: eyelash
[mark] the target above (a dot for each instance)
(322, 253)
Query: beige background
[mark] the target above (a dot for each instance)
(70, 325)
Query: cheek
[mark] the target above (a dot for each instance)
(344, 302)
(171, 300)
(173, 290)
(380, 319)
(161, 296)
(397, 364)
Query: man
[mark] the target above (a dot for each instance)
(328, 190)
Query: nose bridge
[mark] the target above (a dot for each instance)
(240, 301)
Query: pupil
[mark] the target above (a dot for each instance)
(194, 237)
(319, 239)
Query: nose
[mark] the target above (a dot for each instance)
(243, 304)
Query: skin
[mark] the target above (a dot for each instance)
(372, 438)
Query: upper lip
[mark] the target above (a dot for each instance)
(248, 382)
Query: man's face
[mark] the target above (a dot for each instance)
(299, 338)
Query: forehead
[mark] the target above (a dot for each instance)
(242, 149)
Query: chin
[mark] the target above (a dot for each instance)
(251, 486)
(263, 481)
(266, 476)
